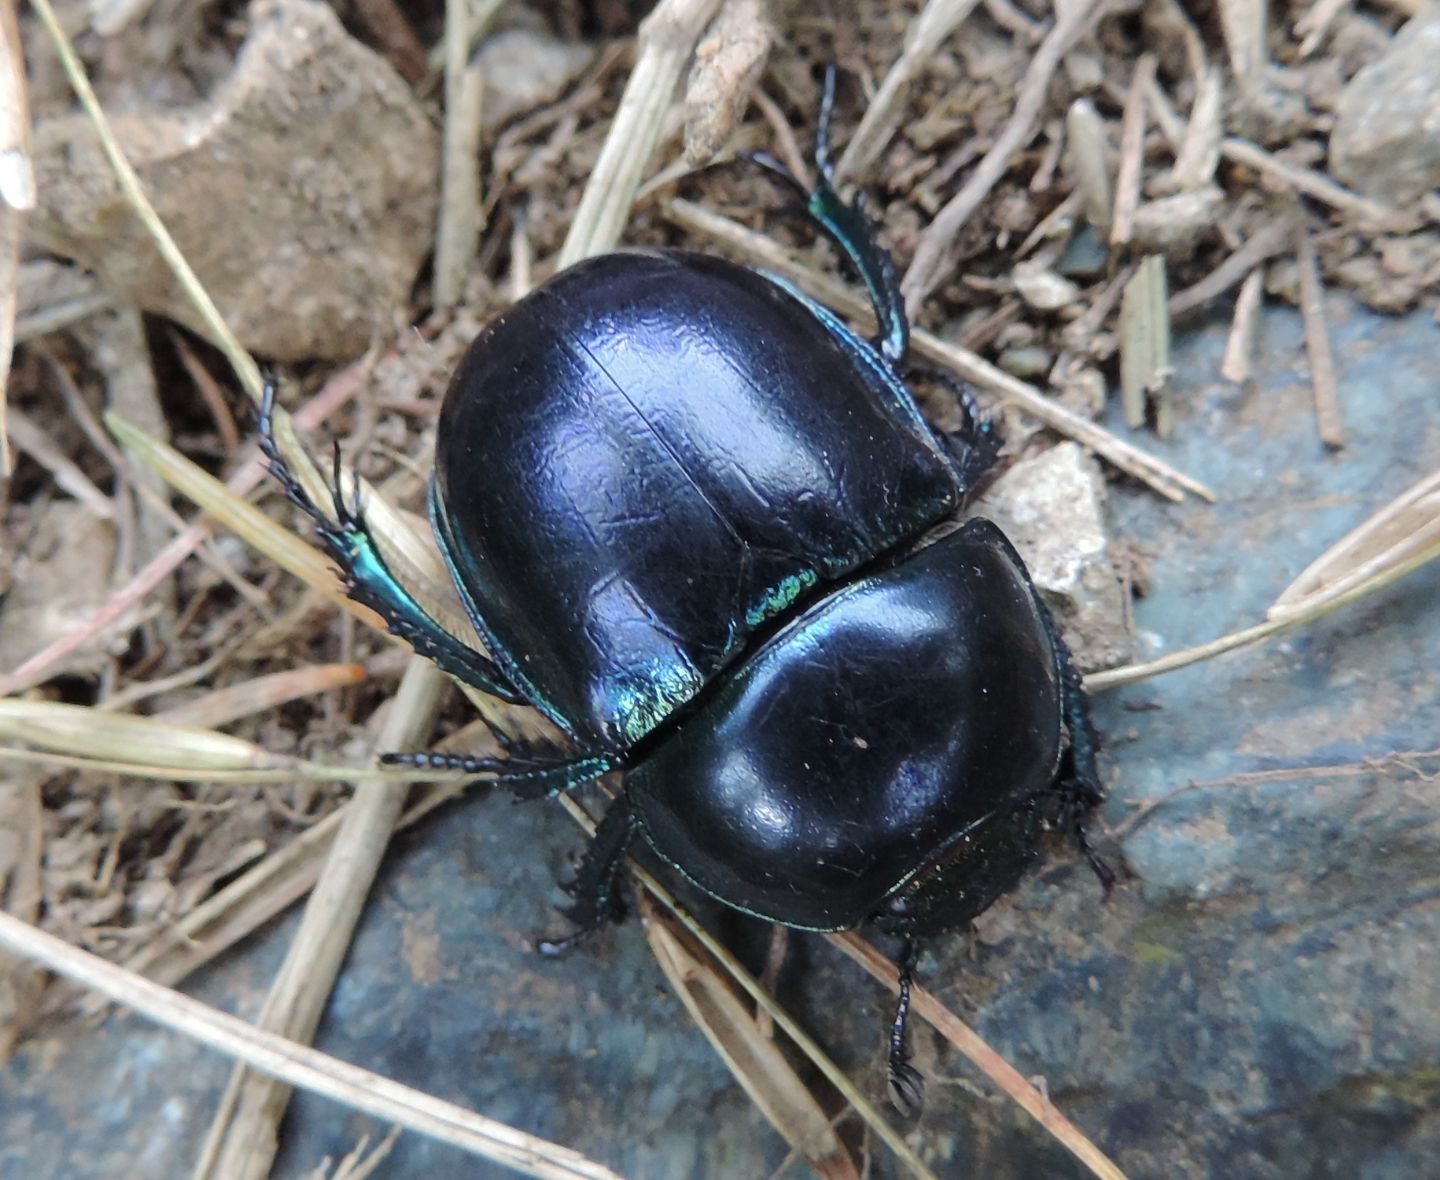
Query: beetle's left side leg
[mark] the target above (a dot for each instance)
(596, 889)
(849, 228)
(366, 577)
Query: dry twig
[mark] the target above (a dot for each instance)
(928, 266)
(926, 33)
(1317, 343)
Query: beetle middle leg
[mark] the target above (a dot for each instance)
(846, 224)
(366, 577)
(596, 889)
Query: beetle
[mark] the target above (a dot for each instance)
(688, 511)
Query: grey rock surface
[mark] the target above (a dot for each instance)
(1257, 1001)
(303, 194)
(1386, 141)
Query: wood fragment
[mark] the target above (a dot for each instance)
(928, 267)
(1317, 343)
(1240, 344)
(1315, 22)
(923, 38)
(1199, 153)
(1244, 25)
(1088, 153)
(728, 64)
(397, 40)
(462, 211)
(1145, 368)
(17, 195)
(1132, 152)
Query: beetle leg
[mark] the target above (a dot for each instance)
(907, 1087)
(368, 580)
(596, 888)
(1081, 781)
(849, 228)
(975, 447)
(524, 777)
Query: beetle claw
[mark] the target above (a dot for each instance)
(907, 1089)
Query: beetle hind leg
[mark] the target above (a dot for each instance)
(1080, 779)
(846, 224)
(367, 579)
(596, 889)
(907, 1087)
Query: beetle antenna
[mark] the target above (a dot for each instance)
(907, 1087)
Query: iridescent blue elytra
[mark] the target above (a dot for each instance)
(690, 514)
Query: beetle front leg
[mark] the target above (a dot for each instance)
(366, 577)
(849, 228)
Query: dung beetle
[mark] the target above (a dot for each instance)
(686, 509)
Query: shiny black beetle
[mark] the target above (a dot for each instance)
(685, 507)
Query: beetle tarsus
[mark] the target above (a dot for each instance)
(363, 572)
(525, 778)
(974, 449)
(907, 1087)
(599, 898)
(847, 225)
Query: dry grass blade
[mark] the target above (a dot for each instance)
(928, 266)
(1087, 151)
(1407, 526)
(753, 1058)
(40, 666)
(462, 211)
(995, 1067)
(83, 732)
(926, 33)
(296, 769)
(29, 437)
(262, 694)
(1369, 576)
(245, 1134)
(239, 516)
(762, 251)
(299, 1065)
(666, 40)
